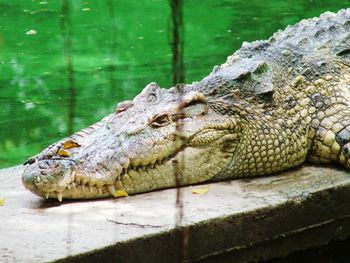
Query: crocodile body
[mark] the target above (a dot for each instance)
(273, 105)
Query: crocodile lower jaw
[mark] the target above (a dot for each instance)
(81, 187)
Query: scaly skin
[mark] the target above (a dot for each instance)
(273, 105)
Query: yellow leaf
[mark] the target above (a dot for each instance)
(121, 193)
(200, 191)
(2, 201)
(63, 153)
(70, 144)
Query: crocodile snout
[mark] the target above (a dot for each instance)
(50, 175)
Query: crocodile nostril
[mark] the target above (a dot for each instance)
(48, 164)
(44, 164)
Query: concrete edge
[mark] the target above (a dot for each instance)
(314, 221)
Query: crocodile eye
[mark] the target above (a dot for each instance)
(160, 120)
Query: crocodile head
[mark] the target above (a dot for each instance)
(137, 148)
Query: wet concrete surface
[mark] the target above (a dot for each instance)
(243, 220)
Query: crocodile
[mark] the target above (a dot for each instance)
(273, 105)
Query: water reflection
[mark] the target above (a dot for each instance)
(177, 41)
(66, 36)
(179, 77)
(113, 48)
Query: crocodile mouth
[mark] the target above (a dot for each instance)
(77, 183)
(66, 178)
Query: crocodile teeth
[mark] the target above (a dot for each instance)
(83, 187)
(47, 195)
(59, 196)
(111, 189)
(125, 162)
(73, 176)
(38, 179)
(119, 169)
(68, 186)
(99, 190)
(84, 181)
(91, 188)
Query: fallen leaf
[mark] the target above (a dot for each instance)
(200, 191)
(63, 153)
(70, 144)
(2, 201)
(121, 193)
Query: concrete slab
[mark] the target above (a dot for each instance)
(242, 220)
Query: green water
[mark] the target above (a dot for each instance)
(65, 64)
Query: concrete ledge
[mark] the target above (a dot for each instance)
(237, 221)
